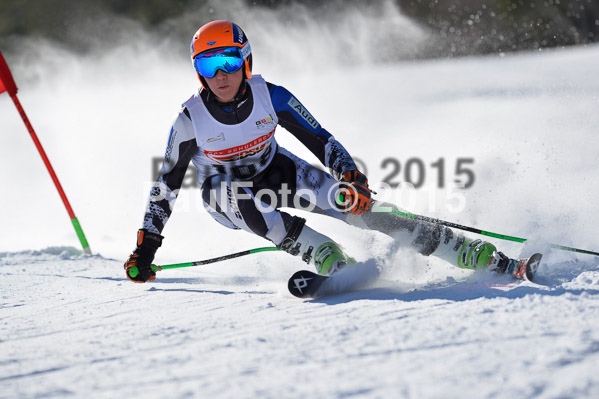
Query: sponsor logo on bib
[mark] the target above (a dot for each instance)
(241, 151)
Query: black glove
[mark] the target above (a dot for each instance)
(354, 195)
(142, 257)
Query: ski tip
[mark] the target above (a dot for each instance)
(303, 283)
(532, 265)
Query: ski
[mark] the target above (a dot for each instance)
(304, 284)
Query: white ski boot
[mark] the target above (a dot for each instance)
(315, 248)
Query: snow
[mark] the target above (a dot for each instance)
(72, 325)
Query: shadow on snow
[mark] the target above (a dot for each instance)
(549, 282)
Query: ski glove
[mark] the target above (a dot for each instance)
(138, 265)
(354, 194)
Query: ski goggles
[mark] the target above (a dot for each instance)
(227, 59)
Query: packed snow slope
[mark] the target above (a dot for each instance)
(526, 125)
(73, 326)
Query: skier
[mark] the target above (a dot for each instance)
(227, 130)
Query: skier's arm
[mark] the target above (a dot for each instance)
(180, 149)
(294, 117)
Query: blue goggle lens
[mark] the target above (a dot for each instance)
(208, 63)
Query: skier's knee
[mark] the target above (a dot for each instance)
(218, 193)
(212, 189)
(429, 237)
(384, 221)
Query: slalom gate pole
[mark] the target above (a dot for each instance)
(133, 272)
(8, 84)
(475, 230)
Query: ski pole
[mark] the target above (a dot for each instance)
(475, 230)
(133, 272)
(8, 84)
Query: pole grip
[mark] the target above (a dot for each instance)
(134, 271)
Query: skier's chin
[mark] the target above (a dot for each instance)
(224, 95)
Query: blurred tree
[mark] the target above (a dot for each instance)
(151, 12)
(460, 26)
(474, 26)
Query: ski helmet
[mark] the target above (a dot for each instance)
(221, 34)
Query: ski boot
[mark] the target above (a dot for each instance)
(478, 254)
(464, 252)
(315, 248)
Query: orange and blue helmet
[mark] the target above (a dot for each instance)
(220, 45)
